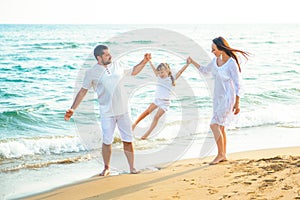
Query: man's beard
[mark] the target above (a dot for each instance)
(106, 63)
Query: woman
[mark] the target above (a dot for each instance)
(226, 70)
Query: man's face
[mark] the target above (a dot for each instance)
(105, 59)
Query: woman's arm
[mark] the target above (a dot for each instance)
(236, 107)
(204, 69)
(191, 61)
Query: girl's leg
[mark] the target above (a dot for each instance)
(159, 113)
(216, 129)
(151, 107)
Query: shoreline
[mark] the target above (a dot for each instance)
(183, 178)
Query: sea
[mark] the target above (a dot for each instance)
(42, 68)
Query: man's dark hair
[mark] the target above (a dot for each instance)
(98, 51)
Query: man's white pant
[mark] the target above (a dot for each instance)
(108, 125)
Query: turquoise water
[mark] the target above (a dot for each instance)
(40, 66)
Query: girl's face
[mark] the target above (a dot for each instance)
(163, 73)
(215, 50)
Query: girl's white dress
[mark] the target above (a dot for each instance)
(163, 93)
(227, 84)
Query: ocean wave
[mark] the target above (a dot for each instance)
(51, 45)
(140, 42)
(31, 164)
(272, 114)
(22, 115)
(18, 147)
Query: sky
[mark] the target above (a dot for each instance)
(148, 12)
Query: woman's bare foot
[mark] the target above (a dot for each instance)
(218, 159)
(105, 172)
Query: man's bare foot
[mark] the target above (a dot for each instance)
(105, 172)
(218, 159)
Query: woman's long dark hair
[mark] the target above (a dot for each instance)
(223, 45)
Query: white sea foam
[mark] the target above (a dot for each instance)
(14, 148)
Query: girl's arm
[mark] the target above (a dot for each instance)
(153, 68)
(182, 69)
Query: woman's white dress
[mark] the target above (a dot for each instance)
(227, 84)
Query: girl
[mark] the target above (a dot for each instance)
(226, 69)
(165, 81)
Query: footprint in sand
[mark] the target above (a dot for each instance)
(269, 180)
(287, 187)
(212, 191)
(176, 196)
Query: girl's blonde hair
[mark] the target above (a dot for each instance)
(166, 66)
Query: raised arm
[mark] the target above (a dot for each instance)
(191, 61)
(153, 68)
(141, 65)
(79, 97)
(182, 70)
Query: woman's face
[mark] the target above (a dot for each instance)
(215, 50)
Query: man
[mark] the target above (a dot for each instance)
(105, 78)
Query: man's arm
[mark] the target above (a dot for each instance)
(141, 65)
(79, 97)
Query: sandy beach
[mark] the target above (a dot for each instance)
(261, 174)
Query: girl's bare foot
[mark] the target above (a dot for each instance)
(133, 126)
(143, 138)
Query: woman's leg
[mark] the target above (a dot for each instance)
(216, 129)
(151, 107)
(159, 113)
(224, 139)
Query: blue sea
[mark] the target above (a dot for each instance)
(42, 66)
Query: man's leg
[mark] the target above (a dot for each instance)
(106, 155)
(108, 126)
(123, 122)
(129, 153)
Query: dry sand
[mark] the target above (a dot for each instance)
(262, 174)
